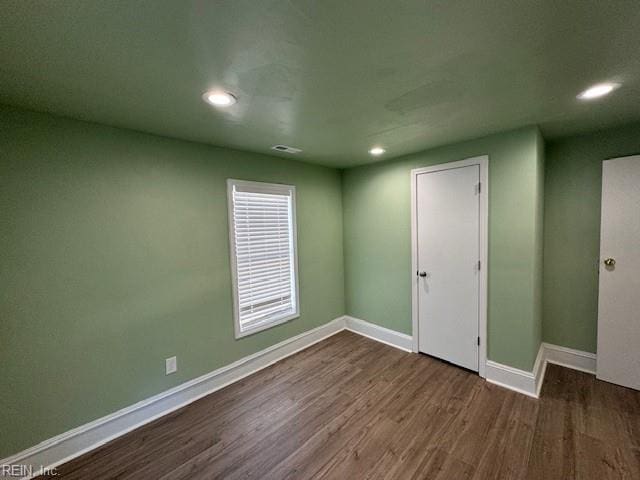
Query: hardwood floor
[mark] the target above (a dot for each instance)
(351, 408)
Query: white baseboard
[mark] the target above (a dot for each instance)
(71, 444)
(530, 383)
(378, 333)
(514, 379)
(539, 369)
(570, 358)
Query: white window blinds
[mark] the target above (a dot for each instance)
(263, 254)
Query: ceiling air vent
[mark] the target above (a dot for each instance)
(286, 149)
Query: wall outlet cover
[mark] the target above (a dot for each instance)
(171, 365)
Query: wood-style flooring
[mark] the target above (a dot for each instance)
(352, 408)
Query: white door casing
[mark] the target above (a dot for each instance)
(449, 244)
(619, 284)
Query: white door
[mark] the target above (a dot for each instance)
(619, 292)
(448, 253)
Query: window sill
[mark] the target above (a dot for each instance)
(266, 326)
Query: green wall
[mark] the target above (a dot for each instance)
(377, 224)
(572, 232)
(114, 254)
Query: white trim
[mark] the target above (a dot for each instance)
(570, 358)
(530, 383)
(378, 333)
(521, 381)
(261, 187)
(75, 442)
(483, 163)
(539, 369)
(511, 378)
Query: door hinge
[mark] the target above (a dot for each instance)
(478, 341)
(479, 265)
(479, 188)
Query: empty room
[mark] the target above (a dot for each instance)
(304, 239)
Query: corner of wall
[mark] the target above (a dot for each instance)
(345, 283)
(539, 240)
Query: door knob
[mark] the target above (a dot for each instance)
(610, 262)
(423, 274)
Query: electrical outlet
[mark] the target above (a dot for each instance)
(171, 365)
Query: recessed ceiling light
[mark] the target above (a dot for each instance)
(219, 99)
(598, 91)
(377, 151)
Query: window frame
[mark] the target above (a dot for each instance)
(261, 187)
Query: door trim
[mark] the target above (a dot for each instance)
(483, 163)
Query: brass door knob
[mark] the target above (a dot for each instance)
(610, 262)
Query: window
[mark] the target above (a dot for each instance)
(264, 263)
